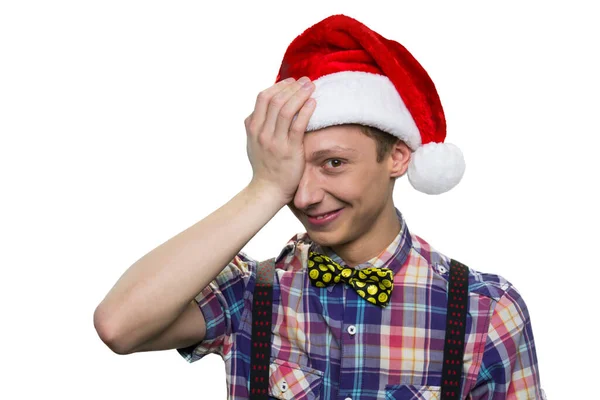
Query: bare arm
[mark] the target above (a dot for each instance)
(155, 295)
(172, 274)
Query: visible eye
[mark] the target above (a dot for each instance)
(334, 162)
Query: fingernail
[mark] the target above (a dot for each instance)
(303, 79)
(307, 85)
(289, 80)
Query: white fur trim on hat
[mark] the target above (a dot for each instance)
(354, 97)
(435, 168)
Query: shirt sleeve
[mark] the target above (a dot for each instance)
(222, 304)
(509, 368)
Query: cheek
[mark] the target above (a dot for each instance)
(362, 184)
(374, 175)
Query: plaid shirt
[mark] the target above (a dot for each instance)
(329, 343)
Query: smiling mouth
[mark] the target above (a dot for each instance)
(325, 215)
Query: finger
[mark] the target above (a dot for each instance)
(262, 102)
(276, 104)
(291, 109)
(248, 120)
(298, 128)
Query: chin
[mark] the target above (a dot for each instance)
(328, 236)
(329, 239)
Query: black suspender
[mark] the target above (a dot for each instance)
(261, 330)
(456, 321)
(456, 317)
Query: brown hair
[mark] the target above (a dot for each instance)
(384, 141)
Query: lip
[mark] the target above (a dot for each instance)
(326, 220)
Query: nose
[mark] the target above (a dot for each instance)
(310, 190)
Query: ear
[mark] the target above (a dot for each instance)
(399, 159)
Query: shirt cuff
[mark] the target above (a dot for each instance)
(215, 327)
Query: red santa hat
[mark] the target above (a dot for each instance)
(363, 78)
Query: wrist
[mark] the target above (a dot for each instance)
(267, 192)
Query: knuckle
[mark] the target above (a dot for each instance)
(278, 100)
(262, 96)
(296, 128)
(287, 113)
(270, 148)
(261, 140)
(253, 127)
(294, 132)
(251, 124)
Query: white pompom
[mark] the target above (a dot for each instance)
(436, 168)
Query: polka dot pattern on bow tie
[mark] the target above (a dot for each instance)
(372, 284)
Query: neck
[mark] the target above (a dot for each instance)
(382, 232)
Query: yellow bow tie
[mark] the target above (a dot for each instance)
(372, 284)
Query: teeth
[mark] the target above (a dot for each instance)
(323, 216)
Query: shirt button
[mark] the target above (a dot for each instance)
(284, 386)
(348, 398)
(442, 269)
(351, 331)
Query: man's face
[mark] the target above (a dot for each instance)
(341, 175)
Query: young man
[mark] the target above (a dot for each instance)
(361, 307)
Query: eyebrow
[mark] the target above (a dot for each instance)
(331, 151)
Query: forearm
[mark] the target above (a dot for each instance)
(156, 289)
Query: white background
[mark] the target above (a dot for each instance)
(122, 124)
